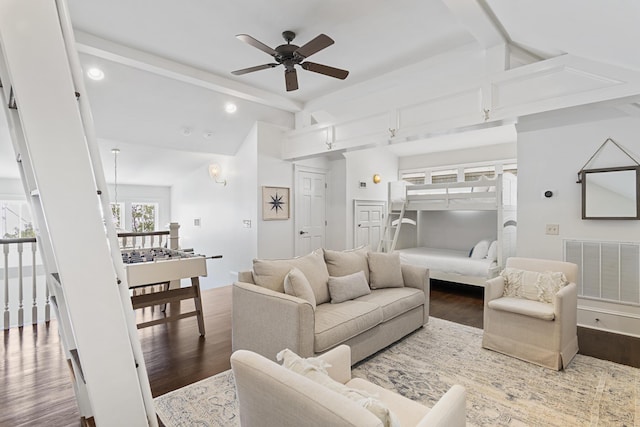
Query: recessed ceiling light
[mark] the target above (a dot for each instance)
(186, 131)
(230, 107)
(95, 73)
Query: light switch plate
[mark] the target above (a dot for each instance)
(552, 229)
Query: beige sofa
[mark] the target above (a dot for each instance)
(266, 319)
(271, 395)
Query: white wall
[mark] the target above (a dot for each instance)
(11, 189)
(361, 166)
(549, 159)
(337, 205)
(221, 210)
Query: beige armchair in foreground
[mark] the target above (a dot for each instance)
(544, 333)
(270, 395)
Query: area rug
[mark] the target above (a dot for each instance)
(501, 390)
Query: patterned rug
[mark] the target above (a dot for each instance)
(501, 390)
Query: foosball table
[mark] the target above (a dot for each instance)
(161, 266)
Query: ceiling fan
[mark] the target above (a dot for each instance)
(290, 55)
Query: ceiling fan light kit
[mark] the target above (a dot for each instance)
(289, 55)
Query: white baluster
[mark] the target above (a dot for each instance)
(34, 308)
(47, 305)
(153, 241)
(6, 285)
(20, 288)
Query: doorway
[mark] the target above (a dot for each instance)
(310, 209)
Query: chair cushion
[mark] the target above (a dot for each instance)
(315, 370)
(533, 285)
(297, 285)
(336, 323)
(341, 263)
(348, 287)
(385, 270)
(270, 273)
(394, 301)
(526, 307)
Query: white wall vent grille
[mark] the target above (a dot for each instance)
(606, 270)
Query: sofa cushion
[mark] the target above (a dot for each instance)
(533, 285)
(348, 287)
(526, 307)
(394, 301)
(384, 270)
(315, 370)
(297, 285)
(336, 323)
(342, 263)
(270, 273)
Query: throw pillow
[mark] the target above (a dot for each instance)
(480, 249)
(384, 270)
(348, 287)
(297, 285)
(270, 274)
(533, 285)
(492, 253)
(342, 263)
(315, 369)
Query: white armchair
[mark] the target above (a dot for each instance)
(538, 332)
(270, 395)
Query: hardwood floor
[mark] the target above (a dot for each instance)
(36, 389)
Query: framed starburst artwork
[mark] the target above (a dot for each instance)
(275, 203)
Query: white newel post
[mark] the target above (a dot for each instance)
(174, 240)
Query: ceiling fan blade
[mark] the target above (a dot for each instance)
(252, 69)
(291, 79)
(257, 44)
(315, 45)
(325, 69)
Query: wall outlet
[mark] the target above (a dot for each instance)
(196, 222)
(552, 229)
(246, 223)
(362, 184)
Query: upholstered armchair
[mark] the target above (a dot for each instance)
(530, 319)
(270, 395)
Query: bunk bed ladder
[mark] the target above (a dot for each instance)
(394, 220)
(58, 158)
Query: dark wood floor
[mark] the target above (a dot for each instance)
(35, 379)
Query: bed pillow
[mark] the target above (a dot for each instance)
(348, 287)
(384, 270)
(533, 285)
(314, 369)
(480, 249)
(270, 274)
(297, 285)
(492, 253)
(342, 263)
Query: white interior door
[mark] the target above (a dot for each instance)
(310, 220)
(369, 222)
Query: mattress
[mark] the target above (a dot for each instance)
(447, 261)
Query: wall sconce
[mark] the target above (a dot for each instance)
(214, 173)
(376, 179)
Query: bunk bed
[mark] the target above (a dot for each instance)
(455, 261)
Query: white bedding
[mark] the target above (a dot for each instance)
(447, 261)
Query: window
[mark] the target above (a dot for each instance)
(15, 219)
(143, 217)
(474, 174)
(414, 177)
(444, 176)
(117, 211)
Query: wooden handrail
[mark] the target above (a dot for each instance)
(18, 240)
(145, 233)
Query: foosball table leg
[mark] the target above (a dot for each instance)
(195, 283)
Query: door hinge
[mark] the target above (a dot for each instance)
(325, 185)
(325, 223)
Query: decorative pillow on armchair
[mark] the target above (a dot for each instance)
(533, 285)
(384, 270)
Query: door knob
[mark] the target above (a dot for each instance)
(303, 232)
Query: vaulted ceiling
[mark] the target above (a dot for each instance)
(168, 64)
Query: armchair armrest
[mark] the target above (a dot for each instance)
(450, 410)
(265, 321)
(566, 310)
(493, 289)
(340, 360)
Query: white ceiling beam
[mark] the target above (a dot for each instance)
(102, 48)
(478, 20)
